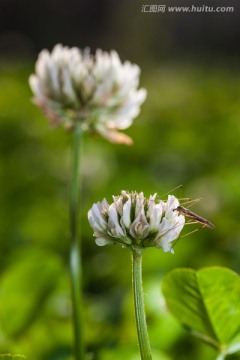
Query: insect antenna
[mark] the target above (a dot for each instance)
(170, 191)
(190, 202)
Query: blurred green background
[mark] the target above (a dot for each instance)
(187, 133)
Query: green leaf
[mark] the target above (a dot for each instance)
(25, 288)
(207, 303)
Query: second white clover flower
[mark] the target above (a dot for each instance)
(133, 220)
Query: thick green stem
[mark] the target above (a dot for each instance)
(139, 305)
(75, 247)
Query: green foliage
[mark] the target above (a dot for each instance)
(30, 280)
(12, 357)
(207, 303)
(187, 133)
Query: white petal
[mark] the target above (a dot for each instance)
(113, 222)
(140, 227)
(118, 204)
(169, 231)
(103, 242)
(155, 216)
(139, 203)
(97, 218)
(35, 86)
(67, 86)
(126, 217)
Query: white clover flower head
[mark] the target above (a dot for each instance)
(133, 220)
(73, 86)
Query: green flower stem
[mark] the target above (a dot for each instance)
(139, 305)
(220, 357)
(222, 354)
(75, 247)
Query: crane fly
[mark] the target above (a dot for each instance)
(182, 210)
